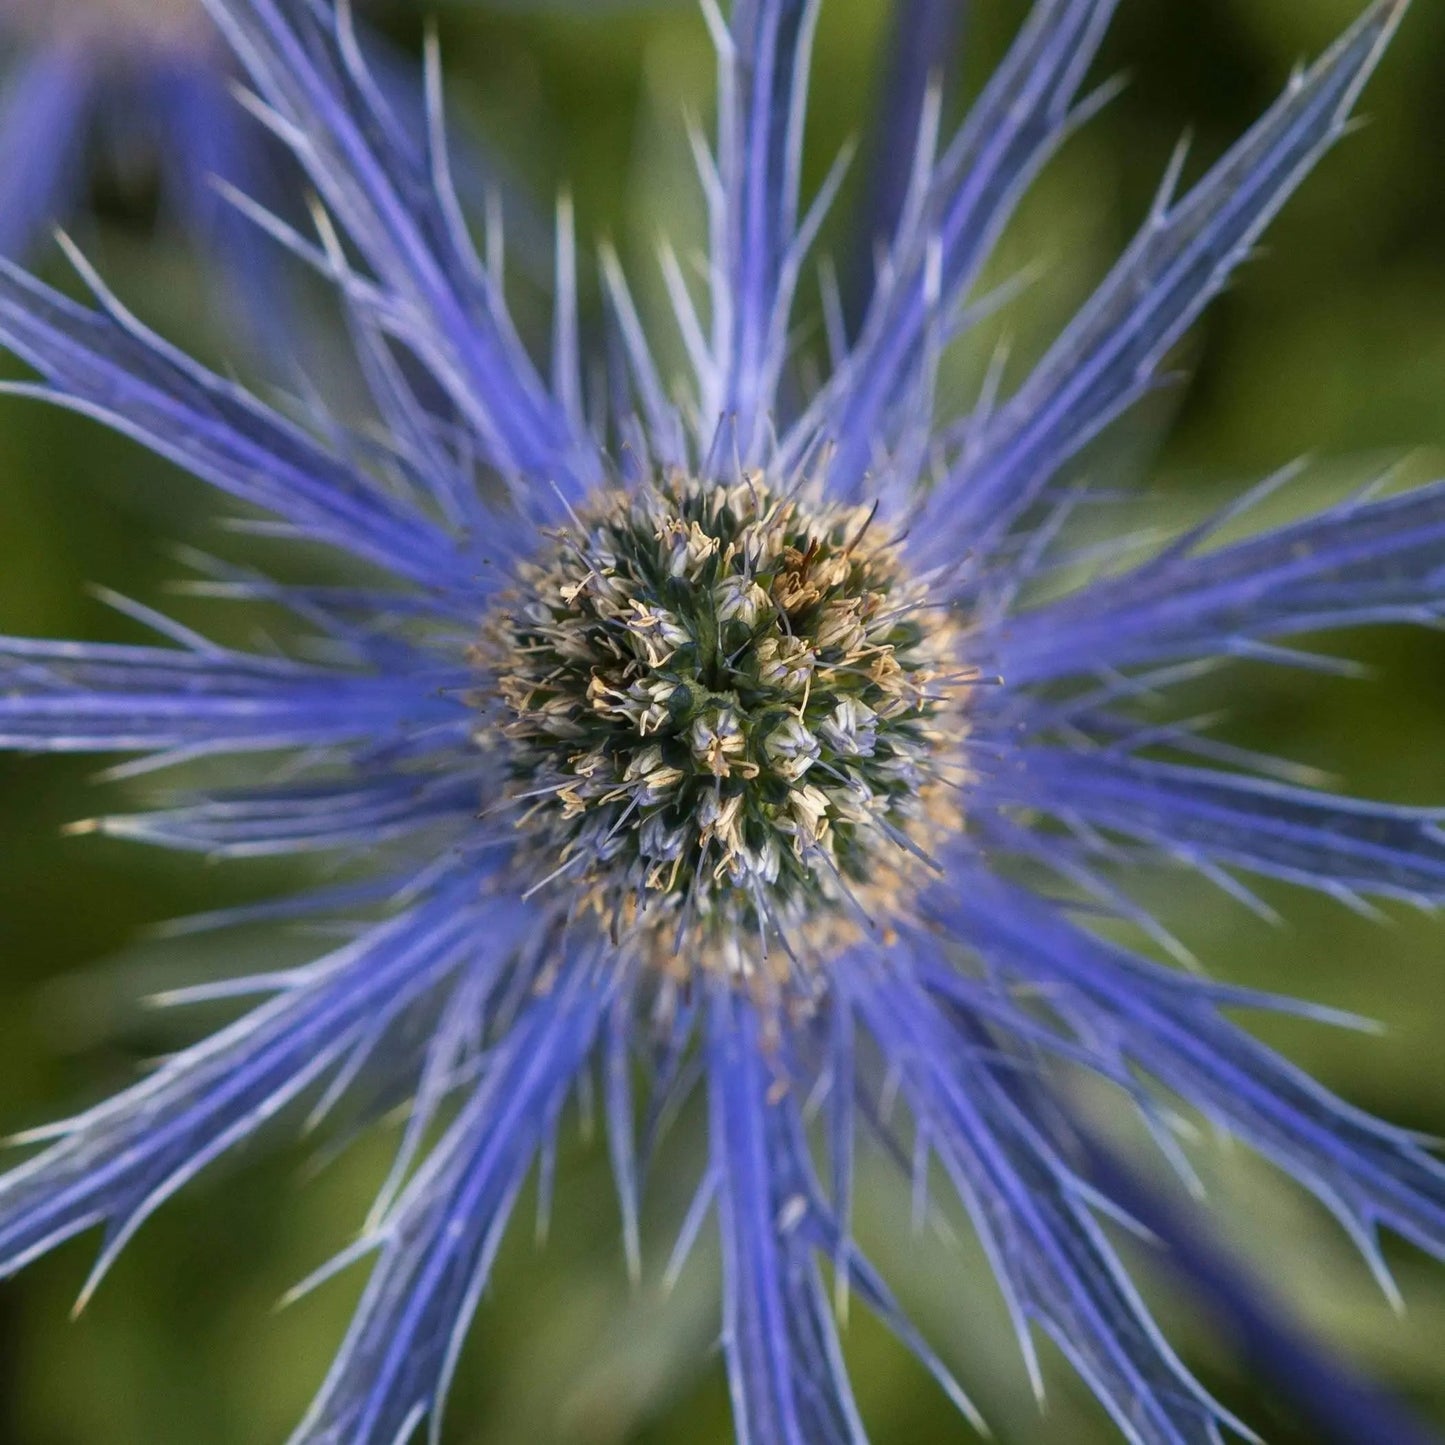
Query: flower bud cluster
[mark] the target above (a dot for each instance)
(725, 714)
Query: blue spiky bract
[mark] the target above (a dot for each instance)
(483, 994)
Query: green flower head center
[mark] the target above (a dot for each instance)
(729, 720)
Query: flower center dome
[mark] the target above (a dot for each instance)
(729, 719)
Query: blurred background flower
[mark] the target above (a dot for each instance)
(123, 113)
(1334, 342)
(123, 107)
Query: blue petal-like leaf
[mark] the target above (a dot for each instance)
(439, 1240)
(392, 194)
(357, 814)
(1193, 814)
(764, 65)
(98, 697)
(786, 1373)
(925, 35)
(1110, 355)
(104, 364)
(1035, 1218)
(950, 227)
(1171, 1025)
(1360, 563)
(116, 1164)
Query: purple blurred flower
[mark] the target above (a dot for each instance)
(136, 85)
(729, 731)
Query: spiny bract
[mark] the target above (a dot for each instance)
(736, 729)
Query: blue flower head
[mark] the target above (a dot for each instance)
(741, 735)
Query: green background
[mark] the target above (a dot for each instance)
(1332, 344)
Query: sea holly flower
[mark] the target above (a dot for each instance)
(739, 738)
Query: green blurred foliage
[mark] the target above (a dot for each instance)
(1333, 343)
